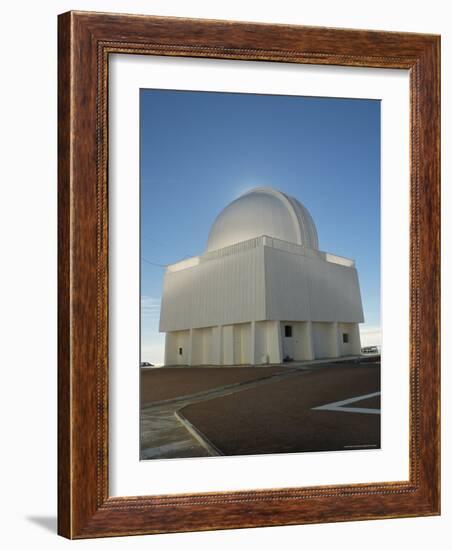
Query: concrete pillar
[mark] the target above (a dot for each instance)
(228, 345)
(253, 351)
(196, 347)
(190, 348)
(217, 345)
(309, 342)
(260, 343)
(355, 339)
(280, 350)
(274, 342)
(335, 344)
(168, 344)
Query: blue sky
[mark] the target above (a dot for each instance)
(201, 150)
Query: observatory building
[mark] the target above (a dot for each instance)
(262, 292)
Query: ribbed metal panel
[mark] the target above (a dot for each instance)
(305, 288)
(221, 291)
(253, 282)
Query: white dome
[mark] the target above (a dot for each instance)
(263, 211)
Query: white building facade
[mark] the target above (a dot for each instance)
(262, 293)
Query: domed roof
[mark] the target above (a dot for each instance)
(263, 211)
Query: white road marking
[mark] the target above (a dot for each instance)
(338, 406)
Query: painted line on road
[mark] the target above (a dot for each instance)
(339, 406)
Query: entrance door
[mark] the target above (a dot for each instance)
(287, 342)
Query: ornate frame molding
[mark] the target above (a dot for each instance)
(85, 42)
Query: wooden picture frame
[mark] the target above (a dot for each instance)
(85, 42)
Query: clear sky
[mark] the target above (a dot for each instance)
(201, 150)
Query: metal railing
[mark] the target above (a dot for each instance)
(255, 242)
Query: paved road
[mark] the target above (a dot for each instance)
(173, 382)
(185, 410)
(164, 436)
(331, 409)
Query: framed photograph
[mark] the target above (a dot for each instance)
(248, 275)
